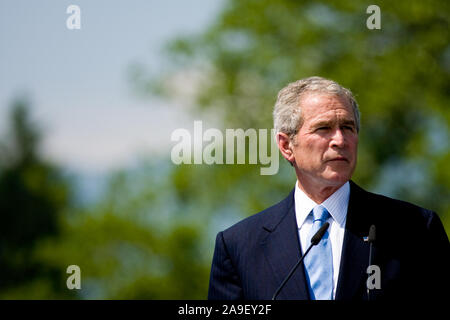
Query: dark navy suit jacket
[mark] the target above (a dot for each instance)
(252, 258)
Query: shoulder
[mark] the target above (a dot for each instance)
(397, 213)
(379, 201)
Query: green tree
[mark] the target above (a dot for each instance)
(33, 193)
(134, 243)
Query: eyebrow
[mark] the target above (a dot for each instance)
(348, 122)
(321, 123)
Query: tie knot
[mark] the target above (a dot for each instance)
(320, 213)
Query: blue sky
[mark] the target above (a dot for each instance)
(77, 79)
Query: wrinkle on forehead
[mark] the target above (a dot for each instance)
(323, 106)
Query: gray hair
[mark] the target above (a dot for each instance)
(287, 112)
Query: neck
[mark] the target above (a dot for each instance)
(318, 193)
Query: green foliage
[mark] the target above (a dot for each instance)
(32, 195)
(131, 246)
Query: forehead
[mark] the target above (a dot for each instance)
(322, 105)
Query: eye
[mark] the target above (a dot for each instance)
(323, 128)
(348, 128)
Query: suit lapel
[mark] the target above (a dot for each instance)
(355, 252)
(281, 247)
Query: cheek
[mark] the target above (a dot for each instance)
(310, 151)
(354, 146)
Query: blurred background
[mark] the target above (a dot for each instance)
(86, 117)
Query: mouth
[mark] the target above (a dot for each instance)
(338, 159)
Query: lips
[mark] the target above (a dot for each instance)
(338, 159)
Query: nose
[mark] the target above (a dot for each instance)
(337, 139)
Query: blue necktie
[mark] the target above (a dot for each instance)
(319, 261)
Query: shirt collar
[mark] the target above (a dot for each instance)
(336, 204)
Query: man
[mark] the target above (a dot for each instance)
(317, 125)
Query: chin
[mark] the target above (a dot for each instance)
(336, 179)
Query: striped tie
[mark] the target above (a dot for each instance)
(319, 262)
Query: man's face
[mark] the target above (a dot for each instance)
(325, 146)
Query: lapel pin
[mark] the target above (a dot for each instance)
(366, 239)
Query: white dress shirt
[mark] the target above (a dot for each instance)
(337, 205)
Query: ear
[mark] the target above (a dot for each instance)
(285, 146)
